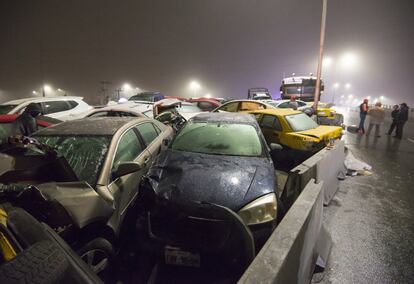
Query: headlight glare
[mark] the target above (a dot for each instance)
(261, 210)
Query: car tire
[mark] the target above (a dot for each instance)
(98, 254)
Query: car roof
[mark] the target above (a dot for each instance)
(278, 111)
(41, 99)
(90, 126)
(127, 108)
(229, 117)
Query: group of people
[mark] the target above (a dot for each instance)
(399, 116)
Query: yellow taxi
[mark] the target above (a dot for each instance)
(328, 116)
(295, 130)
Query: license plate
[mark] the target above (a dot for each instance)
(176, 256)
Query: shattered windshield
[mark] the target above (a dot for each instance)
(5, 109)
(300, 122)
(85, 154)
(219, 139)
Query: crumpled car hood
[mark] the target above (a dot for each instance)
(229, 181)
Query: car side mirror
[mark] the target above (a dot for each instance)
(275, 147)
(125, 168)
(166, 142)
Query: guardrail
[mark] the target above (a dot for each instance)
(300, 240)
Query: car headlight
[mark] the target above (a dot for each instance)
(261, 210)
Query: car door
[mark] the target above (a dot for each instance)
(271, 128)
(125, 188)
(151, 137)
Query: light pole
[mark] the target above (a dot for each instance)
(335, 86)
(321, 46)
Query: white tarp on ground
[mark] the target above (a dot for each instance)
(353, 164)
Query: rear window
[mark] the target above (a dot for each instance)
(73, 104)
(5, 109)
(300, 122)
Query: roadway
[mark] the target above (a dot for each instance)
(371, 218)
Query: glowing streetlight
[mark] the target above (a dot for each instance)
(34, 92)
(369, 97)
(336, 85)
(350, 96)
(47, 88)
(382, 97)
(348, 86)
(208, 95)
(126, 86)
(349, 60)
(194, 86)
(327, 61)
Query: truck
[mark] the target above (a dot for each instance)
(259, 94)
(302, 87)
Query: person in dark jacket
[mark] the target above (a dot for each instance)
(402, 118)
(363, 111)
(394, 115)
(26, 124)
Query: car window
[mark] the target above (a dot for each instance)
(270, 121)
(5, 109)
(5, 130)
(283, 105)
(129, 148)
(99, 114)
(22, 109)
(301, 104)
(245, 106)
(206, 106)
(230, 107)
(300, 122)
(126, 114)
(85, 154)
(148, 132)
(56, 106)
(72, 104)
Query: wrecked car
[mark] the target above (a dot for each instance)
(294, 130)
(215, 160)
(81, 177)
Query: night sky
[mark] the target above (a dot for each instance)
(227, 45)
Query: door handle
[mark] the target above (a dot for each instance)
(147, 159)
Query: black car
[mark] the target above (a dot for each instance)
(220, 159)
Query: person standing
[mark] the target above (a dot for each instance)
(394, 114)
(363, 110)
(402, 118)
(377, 116)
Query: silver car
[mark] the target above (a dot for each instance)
(92, 168)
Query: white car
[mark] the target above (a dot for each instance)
(62, 108)
(121, 110)
(285, 104)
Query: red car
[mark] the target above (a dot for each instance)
(205, 104)
(6, 122)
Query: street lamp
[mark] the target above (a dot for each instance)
(208, 95)
(126, 86)
(335, 86)
(34, 92)
(348, 86)
(46, 88)
(194, 86)
(350, 96)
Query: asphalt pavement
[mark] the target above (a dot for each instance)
(371, 218)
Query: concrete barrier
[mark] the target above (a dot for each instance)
(325, 166)
(301, 241)
(290, 254)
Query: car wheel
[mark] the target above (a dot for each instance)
(98, 254)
